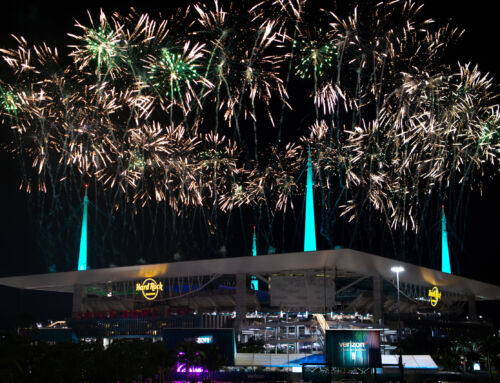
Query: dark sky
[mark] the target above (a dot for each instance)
(44, 21)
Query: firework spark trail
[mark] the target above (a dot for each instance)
(145, 109)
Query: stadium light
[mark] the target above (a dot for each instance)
(397, 270)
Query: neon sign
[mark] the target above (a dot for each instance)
(205, 339)
(435, 296)
(181, 367)
(149, 288)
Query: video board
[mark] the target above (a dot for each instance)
(353, 348)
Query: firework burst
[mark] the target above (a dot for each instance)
(182, 113)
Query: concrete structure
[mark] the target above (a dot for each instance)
(340, 286)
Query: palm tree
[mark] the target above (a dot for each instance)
(161, 359)
(15, 358)
(489, 345)
(212, 359)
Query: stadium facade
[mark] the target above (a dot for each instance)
(301, 297)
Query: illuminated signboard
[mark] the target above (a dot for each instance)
(149, 288)
(435, 296)
(353, 348)
(205, 339)
(222, 338)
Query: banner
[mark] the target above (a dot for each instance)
(353, 348)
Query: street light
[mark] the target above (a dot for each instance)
(397, 270)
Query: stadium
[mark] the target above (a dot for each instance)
(156, 141)
(287, 302)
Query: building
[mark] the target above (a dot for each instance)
(300, 296)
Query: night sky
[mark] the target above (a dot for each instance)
(41, 21)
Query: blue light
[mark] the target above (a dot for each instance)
(82, 257)
(310, 229)
(254, 283)
(445, 253)
(254, 243)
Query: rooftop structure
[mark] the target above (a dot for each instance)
(315, 281)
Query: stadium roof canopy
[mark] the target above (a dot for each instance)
(343, 260)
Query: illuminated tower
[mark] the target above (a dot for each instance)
(254, 283)
(254, 243)
(445, 253)
(82, 257)
(310, 229)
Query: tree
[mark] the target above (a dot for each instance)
(123, 360)
(161, 360)
(14, 359)
(212, 359)
(489, 346)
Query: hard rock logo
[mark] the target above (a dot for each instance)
(435, 296)
(149, 288)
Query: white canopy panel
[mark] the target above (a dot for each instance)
(410, 361)
(345, 260)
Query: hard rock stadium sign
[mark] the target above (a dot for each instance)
(149, 288)
(435, 296)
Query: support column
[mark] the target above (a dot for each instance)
(378, 299)
(78, 296)
(276, 338)
(472, 307)
(241, 299)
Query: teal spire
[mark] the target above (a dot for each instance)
(254, 243)
(445, 253)
(254, 283)
(82, 257)
(310, 229)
